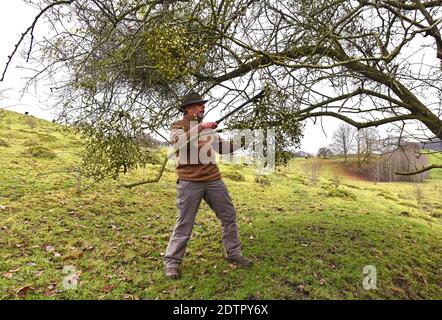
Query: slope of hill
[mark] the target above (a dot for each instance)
(335, 165)
(308, 241)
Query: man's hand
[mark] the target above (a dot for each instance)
(209, 125)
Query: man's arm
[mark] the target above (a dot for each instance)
(180, 137)
(225, 147)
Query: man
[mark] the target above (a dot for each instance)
(199, 178)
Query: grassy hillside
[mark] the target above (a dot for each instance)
(307, 241)
(335, 165)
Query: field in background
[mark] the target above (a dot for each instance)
(308, 239)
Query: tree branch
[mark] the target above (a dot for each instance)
(359, 125)
(31, 29)
(424, 169)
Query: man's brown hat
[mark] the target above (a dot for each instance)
(191, 98)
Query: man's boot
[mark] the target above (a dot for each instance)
(241, 262)
(172, 272)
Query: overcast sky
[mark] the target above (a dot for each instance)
(16, 16)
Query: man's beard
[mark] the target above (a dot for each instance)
(196, 116)
(200, 116)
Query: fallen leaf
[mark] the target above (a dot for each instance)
(76, 254)
(108, 288)
(21, 293)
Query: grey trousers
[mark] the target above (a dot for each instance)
(188, 199)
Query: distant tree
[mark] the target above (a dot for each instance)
(405, 158)
(324, 152)
(302, 154)
(436, 145)
(344, 139)
(312, 170)
(367, 142)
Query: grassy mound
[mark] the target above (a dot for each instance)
(40, 152)
(234, 175)
(263, 180)
(341, 193)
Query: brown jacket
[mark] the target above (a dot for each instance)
(195, 159)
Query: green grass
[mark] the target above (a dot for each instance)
(435, 174)
(307, 241)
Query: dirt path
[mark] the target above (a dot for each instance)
(339, 167)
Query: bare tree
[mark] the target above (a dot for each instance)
(367, 62)
(312, 170)
(368, 141)
(406, 158)
(344, 140)
(324, 152)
